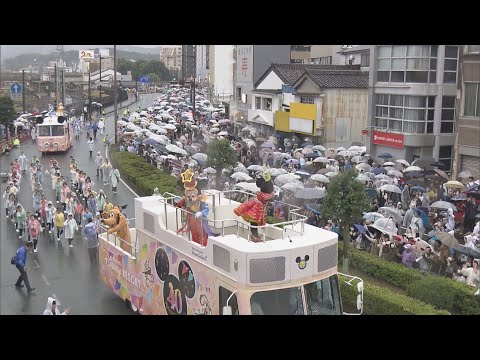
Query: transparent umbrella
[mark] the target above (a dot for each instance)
(310, 193)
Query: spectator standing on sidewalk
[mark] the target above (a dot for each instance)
(20, 261)
(114, 179)
(91, 146)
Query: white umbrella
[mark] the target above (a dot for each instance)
(162, 131)
(286, 156)
(154, 127)
(200, 157)
(357, 159)
(404, 162)
(443, 205)
(390, 212)
(285, 178)
(292, 186)
(214, 130)
(240, 168)
(255, 168)
(319, 147)
(307, 150)
(372, 216)
(158, 139)
(171, 147)
(355, 148)
(395, 172)
(320, 178)
(363, 167)
(170, 127)
(310, 193)
(302, 172)
(320, 160)
(275, 172)
(347, 153)
(465, 174)
(241, 176)
(18, 123)
(363, 177)
(331, 174)
(341, 148)
(388, 163)
(252, 187)
(210, 170)
(385, 225)
(391, 188)
(412, 168)
(180, 151)
(223, 133)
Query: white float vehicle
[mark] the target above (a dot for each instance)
(293, 271)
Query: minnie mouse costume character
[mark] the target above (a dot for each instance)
(253, 211)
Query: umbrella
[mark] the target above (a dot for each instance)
(360, 228)
(363, 167)
(320, 178)
(171, 147)
(347, 153)
(321, 159)
(170, 127)
(313, 207)
(309, 193)
(438, 164)
(443, 205)
(372, 216)
(200, 157)
(441, 173)
(381, 177)
(385, 155)
(240, 168)
(371, 193)
(285, 178)
(323, 171)
(459, 197)
(390, 212)
(275, 172)
(380, 170)
(404, 162)
(255, 168)
(241, 176)
(412, 174)
(341, 148)
(465, 174)
(311, 156)
(415, 182)
(421, 245)
(388, 163)
(214, 130)
(302, 172)
(292, 186)
(267, 144)
(293, 161)
(252, 187)
(394, 172)
(223, 133)
(418, 188)
(210, 170)
(468, 251)
(412, 168)
(391, 188)
(447, 239)
(150, 141)
(306, 151)
(331, 174)
(319, 147)
(454, 184)
(385, 225)
(357, 159)
(179, 151)
(363, 177)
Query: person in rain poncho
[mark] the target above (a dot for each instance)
(91, 146)
(450, 220)
(407, 220)
(114, 178)
(23, 162)
(405, 196)
(52, 309)
(417, 225)
(98, 163)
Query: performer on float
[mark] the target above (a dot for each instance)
(253, 211)
(197, 210)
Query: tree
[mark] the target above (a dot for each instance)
(345, 201)
(154, 78)
(7, 111)
(220, 156)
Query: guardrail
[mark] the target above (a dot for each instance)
(117, 241)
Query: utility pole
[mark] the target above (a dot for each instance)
(89, 98)
(100, 80)
(115, 116)
(194, 81)
(55, 80)
(63, 87)
(136, 89)
(23, 90)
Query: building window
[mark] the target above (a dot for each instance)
(472, 99)
(450, 66)
(445, 156)
(326, 60)
(473, 48)
(239, 93)
(365, 60)
(407, 64)
(408, 114)
(258, 103)
(448, 115)
(307, 100)
(267, 104)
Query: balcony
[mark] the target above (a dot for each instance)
(473, 49)
(263, 117)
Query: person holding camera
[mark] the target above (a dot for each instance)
(20, 260)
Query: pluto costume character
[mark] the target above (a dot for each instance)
(197, 210)
(117, 223)
(253, 211)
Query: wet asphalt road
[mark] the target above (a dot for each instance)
(56, 268)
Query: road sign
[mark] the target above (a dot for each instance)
(16, 88)
(16, 97)
(145, 79)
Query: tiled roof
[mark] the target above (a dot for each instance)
(290, 73)
(339, 79)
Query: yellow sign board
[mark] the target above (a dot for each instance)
(282, 121)
(303, 111)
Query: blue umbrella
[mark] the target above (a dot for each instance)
(424, 217)
(418, 188)
(313, 207)
(292, 161)
(150, 142)
(385, 155)
(467, 251)
(380, 170)
(360, 228)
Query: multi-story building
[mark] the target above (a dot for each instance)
(188, 62)
(467, 145)
(300, 54)
(412, 91)
(221, 72)
(202, 63)
(171, 56)
(251, 63)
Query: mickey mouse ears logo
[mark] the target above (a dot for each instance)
(302, 263)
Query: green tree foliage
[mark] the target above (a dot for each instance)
(142, 68)
(345, 201)
(220, 156)
(7, 110)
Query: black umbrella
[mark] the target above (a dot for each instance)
(411, 174)
(414, 182)
(311, 156)
(385, 155)
(467, 251)
(380, 170)
(438, 164)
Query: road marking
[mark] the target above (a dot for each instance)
(43, 276)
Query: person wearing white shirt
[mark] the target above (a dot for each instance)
(472, 274)
(476, 229)
(91, 146)
(70, 228)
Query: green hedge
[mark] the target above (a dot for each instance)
(382, 301)
(143, 175)
(438, 291)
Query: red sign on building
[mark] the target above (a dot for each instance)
(387, 139)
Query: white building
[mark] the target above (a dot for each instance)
(221, 71)
(202, 63)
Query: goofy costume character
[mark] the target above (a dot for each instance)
(197, 211)
(253, 211)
